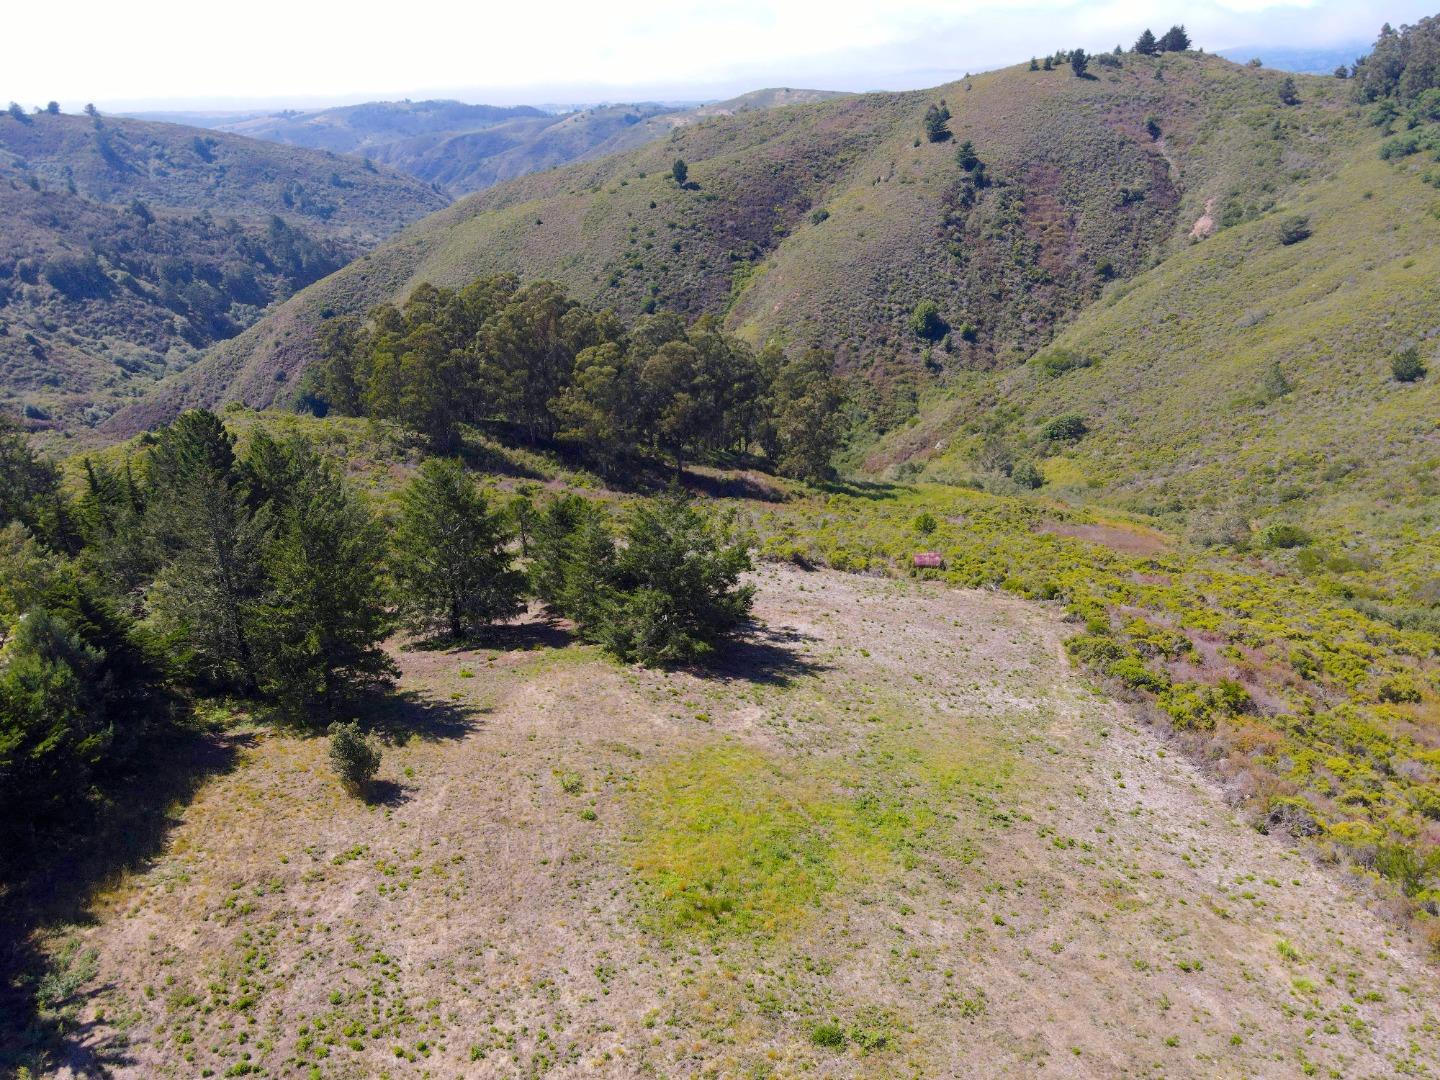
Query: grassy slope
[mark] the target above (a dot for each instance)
(1182, 423)
(819, 861)
(742, 240)
(202, 270)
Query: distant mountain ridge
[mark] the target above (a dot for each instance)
(349, 129)
(1302, 61)
(464, 148)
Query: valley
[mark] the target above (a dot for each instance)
(926, 582)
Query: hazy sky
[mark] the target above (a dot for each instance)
(184, 53)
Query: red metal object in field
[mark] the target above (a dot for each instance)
(929, 560)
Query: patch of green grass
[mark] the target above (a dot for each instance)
(737, 841)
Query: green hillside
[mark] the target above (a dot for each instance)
(829, 222)
(1244, 383)
(129, 247)
(466, 161)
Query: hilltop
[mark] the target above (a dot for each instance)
(130, 246)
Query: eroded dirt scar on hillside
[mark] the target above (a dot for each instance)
(892, 835)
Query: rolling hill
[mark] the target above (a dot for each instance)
(464, 148)
(130, 246)
(351, 129)
(1228, 381)
(830, 222)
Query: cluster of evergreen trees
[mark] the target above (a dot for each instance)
(1173, 40)
(533, 358)
(1403, 65)
(191, 569)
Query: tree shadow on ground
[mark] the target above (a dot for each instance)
(531, 633)
(53, 886)
(876, 490)
(480, 457)
(386, 793)
(768, 655)
(407, 714)
(732, 486)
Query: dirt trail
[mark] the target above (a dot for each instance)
(917, 845)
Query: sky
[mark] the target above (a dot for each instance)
(181, 54)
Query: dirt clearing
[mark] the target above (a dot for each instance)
(893, 836)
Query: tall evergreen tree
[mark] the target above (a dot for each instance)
(450, 564)
(937, 119)
(1175, 40)
(677, 583)
(324, 616)
(1146, 45)
(573, 560)
(30, 489)
(212, 580)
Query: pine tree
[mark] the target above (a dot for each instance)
(680, 171)
(450, 564)
(573, 560)
(1175, 40)
(1146, 45)
(209, 588)
(677, 584)
(324, 616)
(937, 116)
(1288, 93)
(1079, 61)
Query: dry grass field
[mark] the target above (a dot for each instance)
(894, 834)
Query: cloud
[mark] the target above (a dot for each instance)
(177, 51)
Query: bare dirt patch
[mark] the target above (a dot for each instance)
(1136, 541)
(892, 835)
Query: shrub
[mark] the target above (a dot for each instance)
(1407, 366)
(1056, 362)
(830, 1036)
(1399, 689)
(1028, 475)
(1132, 671)
(354, 756)
(1294, 229)
(1094, 650)
(925, 321)
(925, 524)
(76, 277)
(1282, 536)
(1067, 428)
(817, 216)
(1292, 815)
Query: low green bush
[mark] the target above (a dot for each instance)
(354, 756)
